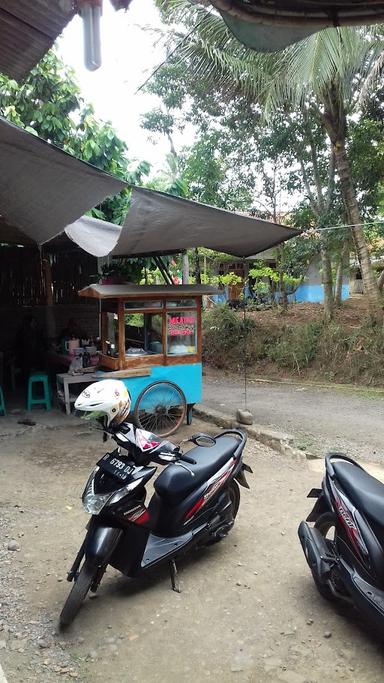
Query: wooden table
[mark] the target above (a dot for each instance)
(64, 380)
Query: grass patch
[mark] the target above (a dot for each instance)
(331, 352)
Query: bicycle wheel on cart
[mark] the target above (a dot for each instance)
(161, 408)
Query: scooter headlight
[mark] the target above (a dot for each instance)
(94, 502)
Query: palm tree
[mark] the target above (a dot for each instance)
(330, 67)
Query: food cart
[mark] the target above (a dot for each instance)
(151, 340)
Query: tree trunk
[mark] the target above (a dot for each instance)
(280, 268)
(197, 267)
(327, 282)
(340, 273)
(369, 281)
(335, 122)
(185, 269)
(380, 281)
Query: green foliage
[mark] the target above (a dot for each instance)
(170, 179)
(267, 272)
(45, 102)
(48, 103)
(352, 355)
(209, 174)
(134, 319)
(229, 341)
(227, 280)
(128, 269)
(328, 351)
(308, 97)
(366, 150)
(296, 347)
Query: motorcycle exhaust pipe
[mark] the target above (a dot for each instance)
(316, 552)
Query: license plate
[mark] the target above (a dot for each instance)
(115, 466)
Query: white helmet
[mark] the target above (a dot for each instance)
(108, 398)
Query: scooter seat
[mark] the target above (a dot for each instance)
(176, 483)
(366, 492)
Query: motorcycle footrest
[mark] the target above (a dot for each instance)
(372, 594)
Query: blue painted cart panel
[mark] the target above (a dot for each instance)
(188, 377)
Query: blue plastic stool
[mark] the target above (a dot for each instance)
(36, 378)
(2, 403)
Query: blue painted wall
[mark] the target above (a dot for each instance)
(314, 293)
(187, 377)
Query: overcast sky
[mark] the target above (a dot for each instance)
(130, 53)
(129, 56)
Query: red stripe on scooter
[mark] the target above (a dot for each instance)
(143, 518)
(195, 508)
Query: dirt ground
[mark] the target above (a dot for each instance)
(248, 610)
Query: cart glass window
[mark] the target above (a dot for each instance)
(143, 334)
(138, 305)
(181, 333)
(182, 303)
(111, 340)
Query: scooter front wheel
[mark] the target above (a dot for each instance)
(76, 597)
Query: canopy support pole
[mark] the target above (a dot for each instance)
(163, 270)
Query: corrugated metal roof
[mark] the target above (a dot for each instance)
(27, 30)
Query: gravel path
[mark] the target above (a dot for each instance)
(320, 419)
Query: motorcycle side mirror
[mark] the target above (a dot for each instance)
(201, 439)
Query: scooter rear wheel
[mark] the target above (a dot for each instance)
(234, 494)
(76, 597)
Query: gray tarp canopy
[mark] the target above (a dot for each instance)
(94, 236)
(135, 291)
(158, 223)
(270, 25)
(43, 191)
(42, 188)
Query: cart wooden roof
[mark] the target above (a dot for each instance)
(146, 291)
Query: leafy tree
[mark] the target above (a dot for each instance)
(329, 67)
(48, 103)
(240, 161)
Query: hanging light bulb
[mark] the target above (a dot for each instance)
(90, 12)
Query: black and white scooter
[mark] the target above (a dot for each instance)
(345, 547)
(195, 503)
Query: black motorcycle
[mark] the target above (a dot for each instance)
(195, 503)
(345, 547)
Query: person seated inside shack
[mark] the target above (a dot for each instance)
(30, 347)
(71, 331)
